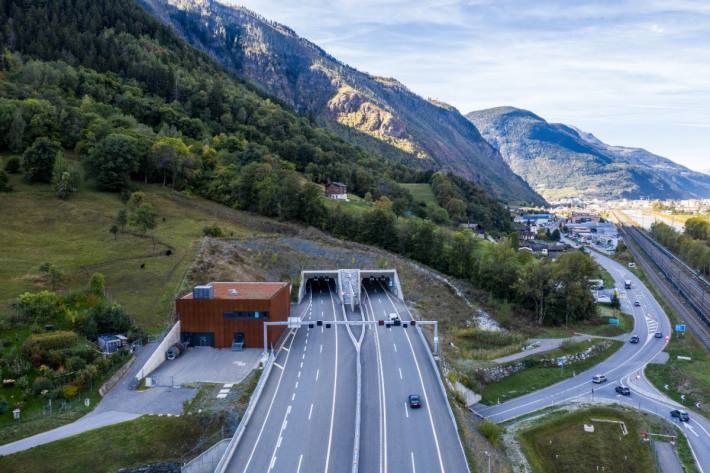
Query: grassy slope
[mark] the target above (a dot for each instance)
(74, 235)
(422, 193)
(561, 445)
(144, 440)
(532, 379)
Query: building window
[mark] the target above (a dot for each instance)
(241, 314)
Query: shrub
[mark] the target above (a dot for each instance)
(43, 305)
(4, 182)
(69, 391)
(75, 363)
(38, 160)
(42, 342)
(97, 283)
(41, 384)
(110, 318)
(12, 166)
(22, 383)
(214, 231)
(3, 406)
(491, 431)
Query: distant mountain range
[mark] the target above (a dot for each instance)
(377, 113)
(562, 161)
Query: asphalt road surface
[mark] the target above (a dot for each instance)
(305, 419)
(625, 367)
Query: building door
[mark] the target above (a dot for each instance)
(198, 339)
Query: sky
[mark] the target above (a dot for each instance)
(632, 72)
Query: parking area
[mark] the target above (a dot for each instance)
(207, 365)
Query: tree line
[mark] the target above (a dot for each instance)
(692, 246)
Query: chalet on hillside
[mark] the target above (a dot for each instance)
(336, 191)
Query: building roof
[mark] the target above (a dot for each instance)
(244, 290)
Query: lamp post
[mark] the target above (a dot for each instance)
(489, 460)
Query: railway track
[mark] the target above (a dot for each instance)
(690, 294)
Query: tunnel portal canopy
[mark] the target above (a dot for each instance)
(348, 282)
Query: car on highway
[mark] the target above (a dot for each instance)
(414, 401)
(658, 335)
(623, 390)
(393, 317)
(637, 304)
(599, 379)
(634, 339)
(681, 415)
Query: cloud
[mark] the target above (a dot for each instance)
(607, 66)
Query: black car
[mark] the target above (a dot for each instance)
(634, 339)
(681, 415)
(658, 335)
(623, 390)
(637, 304)
(415, 402)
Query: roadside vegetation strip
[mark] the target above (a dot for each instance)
(537, 377)
(561, 444)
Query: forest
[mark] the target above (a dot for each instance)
(692, 246)
(105, 83)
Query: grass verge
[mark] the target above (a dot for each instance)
(560, 444)
(148, 439)
(534, 378)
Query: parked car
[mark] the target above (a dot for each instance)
(623, 390)
(634, 339)
(414, 401)
(637, 304)
(598, 379)
(681, 415)
(658, 335)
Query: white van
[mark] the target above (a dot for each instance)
(393, 317)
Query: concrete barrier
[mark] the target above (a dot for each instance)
(108, 385)
(158, 356)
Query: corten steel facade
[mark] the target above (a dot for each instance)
(234, 309)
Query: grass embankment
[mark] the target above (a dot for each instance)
(688, 378)
(74, 236)
(538, 377)
(422, 193)
(560, 444)
(478, 344)
(598, 326)
(145, 440)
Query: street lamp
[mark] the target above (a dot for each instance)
(489, 460)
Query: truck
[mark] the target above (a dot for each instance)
(627, 284)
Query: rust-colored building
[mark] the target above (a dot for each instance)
(226, 314)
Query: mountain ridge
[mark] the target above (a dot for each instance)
(378, 113)
(560, 160)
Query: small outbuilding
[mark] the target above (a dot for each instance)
(232, 314)
(336, 191)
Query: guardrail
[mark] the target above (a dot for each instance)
(229, 452)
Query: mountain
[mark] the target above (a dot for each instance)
(562, 161)
(378, 113)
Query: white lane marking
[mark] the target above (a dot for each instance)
(414, 468)
(400, 373)
(301, 366)
(273, 462)
(300, 460)
(293, 396)
(321, 349)
(286, 349)
(317, 373)
(421, 383)
(299, 374)
(382, 394)
(278, 442)
(296, 387)
(395, 347)
(310, 412)
(701, 426)
(687, 426)
(335, 389)
(406, 410)
(268, 411)
(303, 357)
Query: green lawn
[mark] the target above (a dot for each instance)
(560, 444)
(422, 193)
(534, 378)
(354, 203)
(598, 326)
(74, 235)
(145, 440)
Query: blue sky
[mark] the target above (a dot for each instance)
(632, 72)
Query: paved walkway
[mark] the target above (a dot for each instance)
(541, 345)
(667, 458)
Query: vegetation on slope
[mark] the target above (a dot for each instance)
(692, 246)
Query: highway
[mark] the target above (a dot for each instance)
(305, 419)
(624, 367)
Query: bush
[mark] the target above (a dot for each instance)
(97, 283)
(491, 431)
(43, 342)
(69, 391)
(4, 182)
(42, 305)
(12, 166)
(41, 384)
(214, 231)
(38, 160)
(106, 318)
(75, 363)
(3, 406)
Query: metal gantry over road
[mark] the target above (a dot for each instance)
(334, 394)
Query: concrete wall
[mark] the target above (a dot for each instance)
(108, 385)
(158, 356)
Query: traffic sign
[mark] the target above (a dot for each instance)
(680, 328)
(613, 321)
